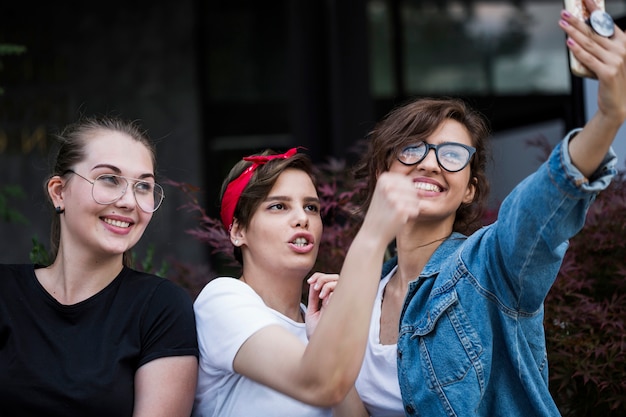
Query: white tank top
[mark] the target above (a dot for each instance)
(377, 383)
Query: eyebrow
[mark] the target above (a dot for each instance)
(286, 198)
(119, 172)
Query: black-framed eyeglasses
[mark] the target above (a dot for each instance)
(108, 188)
(451, 156)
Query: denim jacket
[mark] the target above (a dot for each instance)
(471, 339)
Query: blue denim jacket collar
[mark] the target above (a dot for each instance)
(433, 266)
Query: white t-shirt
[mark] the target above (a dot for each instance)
(377, 383)
(228, 312)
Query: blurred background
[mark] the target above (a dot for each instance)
(215, 80)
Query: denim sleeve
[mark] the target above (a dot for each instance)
(597, 182)
(522, 251)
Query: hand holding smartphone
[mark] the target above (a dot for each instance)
(577, 8)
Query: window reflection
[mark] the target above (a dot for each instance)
(469, 47)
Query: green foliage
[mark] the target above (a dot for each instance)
(9, 49)
(7, 214)
(147, 263)
(39, 254)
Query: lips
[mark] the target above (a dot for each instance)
(302, 243)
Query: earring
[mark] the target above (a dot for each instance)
(236, 242)
(59, 210)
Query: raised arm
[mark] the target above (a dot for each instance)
(606, 57)
(322, 372)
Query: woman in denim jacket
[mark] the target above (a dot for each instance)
(457, 328)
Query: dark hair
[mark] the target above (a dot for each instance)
(260, 185)
(414, 121)
(71, 151)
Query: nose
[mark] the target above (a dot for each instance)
(301, 219)
(429, 162)
(127, 200)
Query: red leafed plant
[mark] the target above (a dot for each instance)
(585, 313)
(338, 209)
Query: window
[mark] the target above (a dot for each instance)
(469, 47)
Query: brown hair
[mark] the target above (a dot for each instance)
(260, 185)
(71, 150)
(415, 121)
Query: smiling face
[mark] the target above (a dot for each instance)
(103, 229)
(285, 230)
(442, 192)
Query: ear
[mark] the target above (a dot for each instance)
(237, 233)
(470, 192)
(55, 191)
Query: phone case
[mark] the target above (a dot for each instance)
(578, 9)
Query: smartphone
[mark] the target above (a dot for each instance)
(577, 8)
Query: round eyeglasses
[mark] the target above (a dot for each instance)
(451, 156)
(108, 188)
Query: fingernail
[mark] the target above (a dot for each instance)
(566, 14)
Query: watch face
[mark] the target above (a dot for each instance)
(602, 23)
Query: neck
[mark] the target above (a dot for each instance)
(414, 249)
(71, 281)
(279, 292)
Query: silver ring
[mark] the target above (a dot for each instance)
(602, 23)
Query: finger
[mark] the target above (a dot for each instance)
(604, 60)
(589, 48)
(313, 278)
(591, 5)
(327, 289)
(575, 26)
(326, 300)
(313, 304)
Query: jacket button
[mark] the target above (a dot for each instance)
(399, 354)
(409, 409)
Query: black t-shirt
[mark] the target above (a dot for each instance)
(81, 359)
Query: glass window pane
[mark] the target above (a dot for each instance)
(471, 47)
(381, 47)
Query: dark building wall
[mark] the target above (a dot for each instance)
(211, 81)
(167, 64)
(135, 59)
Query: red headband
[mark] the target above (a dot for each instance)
(236, 186)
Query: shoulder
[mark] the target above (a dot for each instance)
(227, 313)
(155, 291)
(14, 273)
(144, 281)
(223, 288)
(228, 304)
(16, 269)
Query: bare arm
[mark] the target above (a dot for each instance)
(322, 372)
(606, 57)
(351, 406)
(165, 387)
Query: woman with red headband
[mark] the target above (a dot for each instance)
(258, 352)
